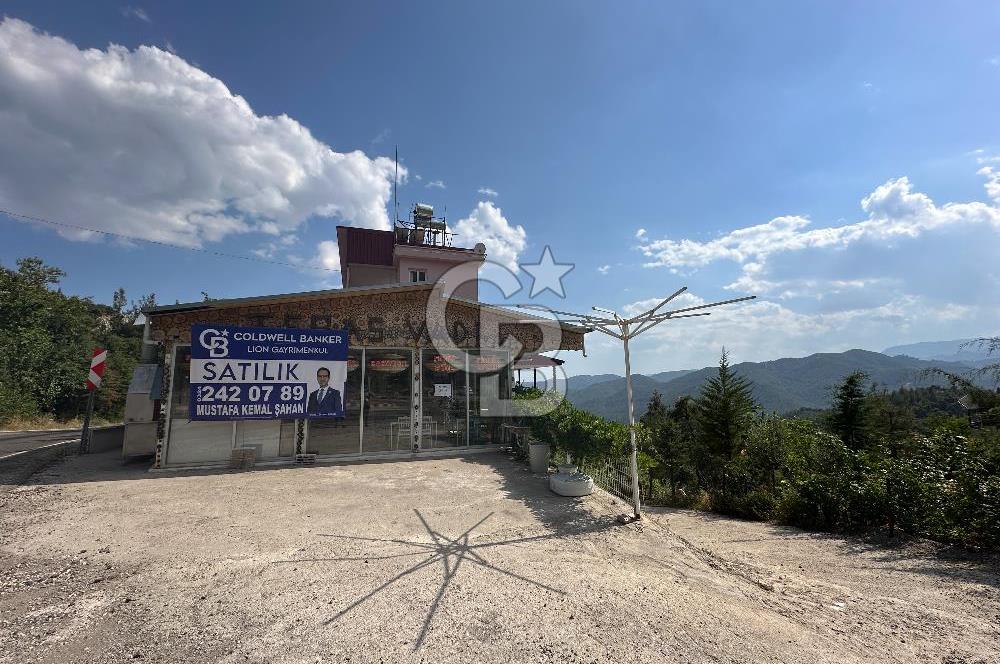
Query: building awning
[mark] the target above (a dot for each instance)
(535, 361)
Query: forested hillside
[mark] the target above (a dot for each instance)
(779, 386)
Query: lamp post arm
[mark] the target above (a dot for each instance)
(649, 314)
(712, 304)
(607, 331)
(660, 319)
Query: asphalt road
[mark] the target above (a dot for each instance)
(19, 441)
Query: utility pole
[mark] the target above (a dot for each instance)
(634, 454)
(626, 329)
(85, 434)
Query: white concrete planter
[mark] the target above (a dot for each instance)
(571, 484)
(538, 458)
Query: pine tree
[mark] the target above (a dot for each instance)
(685, 446)
(849, 419)
(725, 409)
(656, 412)
(657, 441)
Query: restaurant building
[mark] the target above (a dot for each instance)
(428, 366)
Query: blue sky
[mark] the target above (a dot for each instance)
(651, 144)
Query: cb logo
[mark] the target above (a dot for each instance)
(215, 342)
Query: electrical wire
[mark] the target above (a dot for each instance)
(122, 236)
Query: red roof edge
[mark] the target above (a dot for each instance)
(365, 246)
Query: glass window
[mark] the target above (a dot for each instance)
(388, 400)
(443, 385)
(335, 435)
(418, 276)
(489, 382)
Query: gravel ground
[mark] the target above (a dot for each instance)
(450, 560)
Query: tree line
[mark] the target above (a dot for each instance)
(909, 460)
(46, 339)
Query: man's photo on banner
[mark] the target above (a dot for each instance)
(326, 390)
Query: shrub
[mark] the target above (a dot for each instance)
(15, 405)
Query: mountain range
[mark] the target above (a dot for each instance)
(959, 350)
(779, 386)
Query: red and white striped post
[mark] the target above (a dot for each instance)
(97, 365)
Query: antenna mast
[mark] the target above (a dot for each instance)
(395, 185)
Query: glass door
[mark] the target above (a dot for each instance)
(341, 435)
(388, 400)
(489, 390)
(444, 381)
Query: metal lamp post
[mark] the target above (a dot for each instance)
(626, 329)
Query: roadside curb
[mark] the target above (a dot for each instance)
(38, 430)
(39, 449)
(16, 468)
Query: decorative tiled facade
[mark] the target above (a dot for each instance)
(383, 319)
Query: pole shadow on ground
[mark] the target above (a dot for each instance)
(450, 552)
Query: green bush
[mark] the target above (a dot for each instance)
(15, 404)
(572, 433)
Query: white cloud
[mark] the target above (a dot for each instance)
(992, 176)
(327, 255)
(418, 178)
(486, 191)
(486, 223)
(323, 267)
(270, 250)
(895, 212)
(641, 233)
(909, 270)
(143, 143)
(604, 269)
(136, 12)
(382, 136)
(762, 330)
(436, 184)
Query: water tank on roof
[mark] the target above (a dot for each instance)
(423, 212)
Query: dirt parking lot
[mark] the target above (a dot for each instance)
(450, 560)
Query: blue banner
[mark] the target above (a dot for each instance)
(259, 373)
